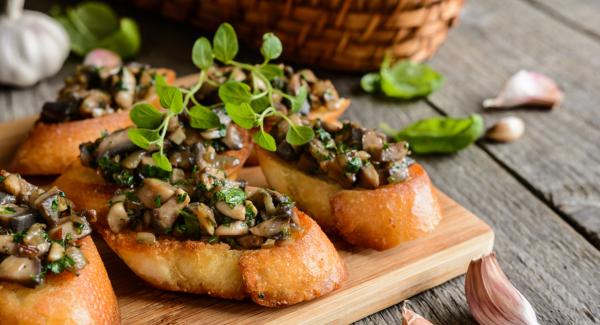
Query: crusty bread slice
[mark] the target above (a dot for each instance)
(88, 190)
(51, 147)
(64, 298)
(302, 268)
(380, 218)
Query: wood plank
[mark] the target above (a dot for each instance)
(376, 279)
(582, 15)
(558, 157)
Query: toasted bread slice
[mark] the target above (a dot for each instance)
(303, 268)
(88, 189)
(379, 218)
(64, 298)
(51, 147)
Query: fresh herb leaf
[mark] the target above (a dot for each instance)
(157, 201)
(172, 98)
(299, 135)
(202, 117)
(242, 114)
(142, 137)
(7, 210)
(162, 161)
(265, 140)
(2, 178)
(271, 71)
(146, 116)
(202, 54)
(181, 197)
(126, 41)
(192, 226)
(407, 79)
(371, 82)
(441, 134)
(233, 196)
(59, 266)
(235, 92)
(299, 100)
(260, 104)
(225, 43)
(271, 47)
(18, 237)
(354, 164)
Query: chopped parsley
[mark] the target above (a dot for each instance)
(18, 237)
(2, 178)
(157, 202)
(7, 210)
(54, 205)
(59, 266)
(354, 164)
(78, 227)
(181, 197)
(213, 239)
(233, 196)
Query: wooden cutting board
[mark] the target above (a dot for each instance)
(376, 279)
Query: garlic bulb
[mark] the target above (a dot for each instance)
(33, 46)
(492, 299)
(409, 317)
(507, 129)
(527, 89)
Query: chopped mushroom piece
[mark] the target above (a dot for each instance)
(205, 216)
(77, 256)
(117, 217)
(233, 138)
(164, 217)
(16, 218)
(145, 238)
(238, 212)
(368, 177)
(21, 270)
(57, 251)
(115, 142)
(153, 188)
(7, 245)
(271, 227)
(236, 228)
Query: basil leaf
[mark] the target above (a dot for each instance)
(235, 92)
(264, 140)
(142, 137)
(271, 71)
(146, 116)
(299, 99)
(225, 43)
(442, 134)
(203, 118)
(271, 47)
(171, 98)
(299, 135)
(408, 79)
(161, 161)
(371, 82)
(202, 54)
(242, 114)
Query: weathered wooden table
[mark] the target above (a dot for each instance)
(541, 194)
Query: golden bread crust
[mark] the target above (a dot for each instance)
(381, 218)
(64, 298)
(50, 148)
(305, 268)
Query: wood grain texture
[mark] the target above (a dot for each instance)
(554, 267)
(376, 279)
(581, 15)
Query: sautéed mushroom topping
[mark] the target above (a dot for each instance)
(322, 94)
(347, 154)
(207, 207)
(96, 91)
(188, 149)
(39, 231)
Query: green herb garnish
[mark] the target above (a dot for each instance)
(18, 237)
(7, 210)
(233, 196)
(157, 201)
(2, 178)
(405, 80)
(181, 197)
(59, 266)
(439, 134)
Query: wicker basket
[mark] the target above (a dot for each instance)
(350, 35)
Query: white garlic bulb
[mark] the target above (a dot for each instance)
(33, 46)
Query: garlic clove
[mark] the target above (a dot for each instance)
(103, 58)
(527, 88)
(507, 129)
(409, 317)
(492, 298)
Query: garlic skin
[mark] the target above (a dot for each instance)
(33, 46)
(508, 129)
(409, 317)
(527, 88)
(103, 58)
(492, 299)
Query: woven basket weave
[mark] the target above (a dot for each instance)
(350, 35)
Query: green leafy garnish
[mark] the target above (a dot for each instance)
(225, 43)
(2, 178)
(405, 80)
(202, 54)
(440, 134)
(59, 266)
(93, 25)
(264, 140)
(146, 116)
(271, 48)
(7, 210)
(233, 196)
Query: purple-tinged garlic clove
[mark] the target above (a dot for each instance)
(508, 129)
(102, 58)
(492, 298)
(409, 317)
(527, 88)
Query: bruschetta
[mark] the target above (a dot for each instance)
(354, 183)
(50, 270)
(94, 100)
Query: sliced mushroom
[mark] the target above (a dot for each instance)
(178, 136)
(75, 228)
(133, 159)
(233, 138)
(318, 150)
(126, 88)
(368, 177)
(57, 251)
(236, 228)
(212, 134)
(164, 217)
(205, 216)
(35, 235)
(145, 238)
(6, 198)
(395, 151)
(114, 143)
(22, 270)
(238, 212)
(94, 99)
(50, 204)
(271, 227)
(16, 217)
(7, 245)
(262, 199)
(117, 217)
(250, 241)
(12, 184)
(153, 188)
(372, 142)
(398, 172)
(77, 256)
